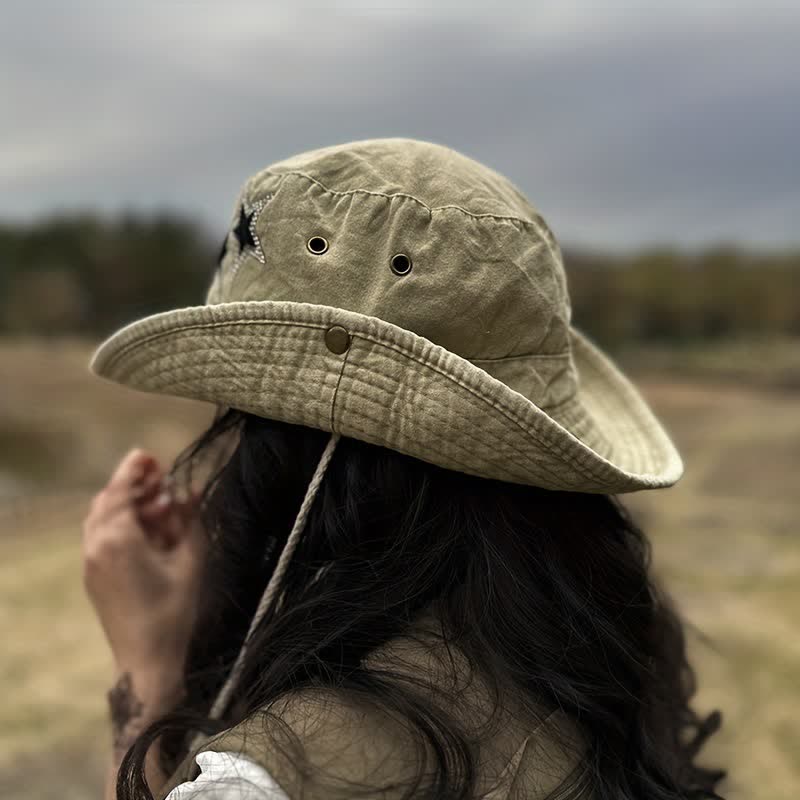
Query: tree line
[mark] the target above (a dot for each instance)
(88, 274)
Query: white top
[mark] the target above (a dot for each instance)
(228, 776)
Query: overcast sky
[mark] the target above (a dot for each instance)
(624, 123)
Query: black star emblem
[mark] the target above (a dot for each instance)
(243, 232)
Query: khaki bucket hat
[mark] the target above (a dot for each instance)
(400, 293)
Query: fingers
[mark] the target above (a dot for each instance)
(147, 488)
(166, 520)
(139, 489)
(134, 467)
(156, 505)
(134, 476)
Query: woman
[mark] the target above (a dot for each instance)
(407, 574)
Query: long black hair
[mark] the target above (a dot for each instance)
(548, 592)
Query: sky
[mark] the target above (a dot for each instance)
(626, 124)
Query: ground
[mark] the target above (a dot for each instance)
(725, 543)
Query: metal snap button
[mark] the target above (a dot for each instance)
(337, 339)
(400, 264)
(317, 245)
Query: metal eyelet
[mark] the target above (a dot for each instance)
(400, 264)
(317, 245)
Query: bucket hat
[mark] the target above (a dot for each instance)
(401, 293)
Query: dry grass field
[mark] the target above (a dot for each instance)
(725, 542)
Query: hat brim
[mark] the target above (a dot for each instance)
(397, 389)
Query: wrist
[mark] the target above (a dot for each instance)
(155, 686)
(151, 673)
(138, 699)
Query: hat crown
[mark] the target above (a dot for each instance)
(466, 360)
(483, 275)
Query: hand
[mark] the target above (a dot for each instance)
(143, 555)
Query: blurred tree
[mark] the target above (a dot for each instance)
(46, 301)
(98, 273)
(88, 274)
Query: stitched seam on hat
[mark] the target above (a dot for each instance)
(412, 356)
(626, 437)
(502, 409)
(580, 467)
(561, 404)
(547, 380)
(543, 231)
(475, 361)
(541, 228)
(533, 465)
(336, 389)
(344, 193)
(431, 433)
(529, 459)
(201, 326)
(541, 356)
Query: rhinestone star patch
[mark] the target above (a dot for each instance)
(245, 239)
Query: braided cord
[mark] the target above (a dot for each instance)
(270, 593)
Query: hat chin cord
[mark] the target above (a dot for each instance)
(270, 594)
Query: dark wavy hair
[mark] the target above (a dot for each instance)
(549, 592)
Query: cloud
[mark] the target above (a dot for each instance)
(623, 123)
